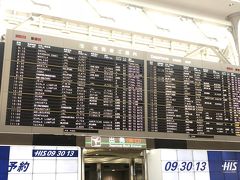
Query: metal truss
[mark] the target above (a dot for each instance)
(112, 36)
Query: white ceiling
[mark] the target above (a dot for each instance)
(217, 9)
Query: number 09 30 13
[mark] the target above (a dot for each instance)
(185, 166)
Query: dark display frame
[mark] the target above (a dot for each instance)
(109, 51)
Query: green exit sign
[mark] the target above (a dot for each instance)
(115, 142)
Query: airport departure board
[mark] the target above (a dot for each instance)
(184, 99)
(60, 87)
(55, 82)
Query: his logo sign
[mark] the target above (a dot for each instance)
(229, 166)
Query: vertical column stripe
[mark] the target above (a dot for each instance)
(4, 161)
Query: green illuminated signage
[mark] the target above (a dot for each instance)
(115, 142)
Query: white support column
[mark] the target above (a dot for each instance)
(132, 174)
(145, 164)
(99, 171)
(235, 20)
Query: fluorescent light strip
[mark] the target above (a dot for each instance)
(238, 1)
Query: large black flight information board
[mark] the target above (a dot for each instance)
(59, 87)
(54, 82)
(185, 99)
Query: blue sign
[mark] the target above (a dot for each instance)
(224, 165)
(39, 162)
(4, 161)
(54, 153)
